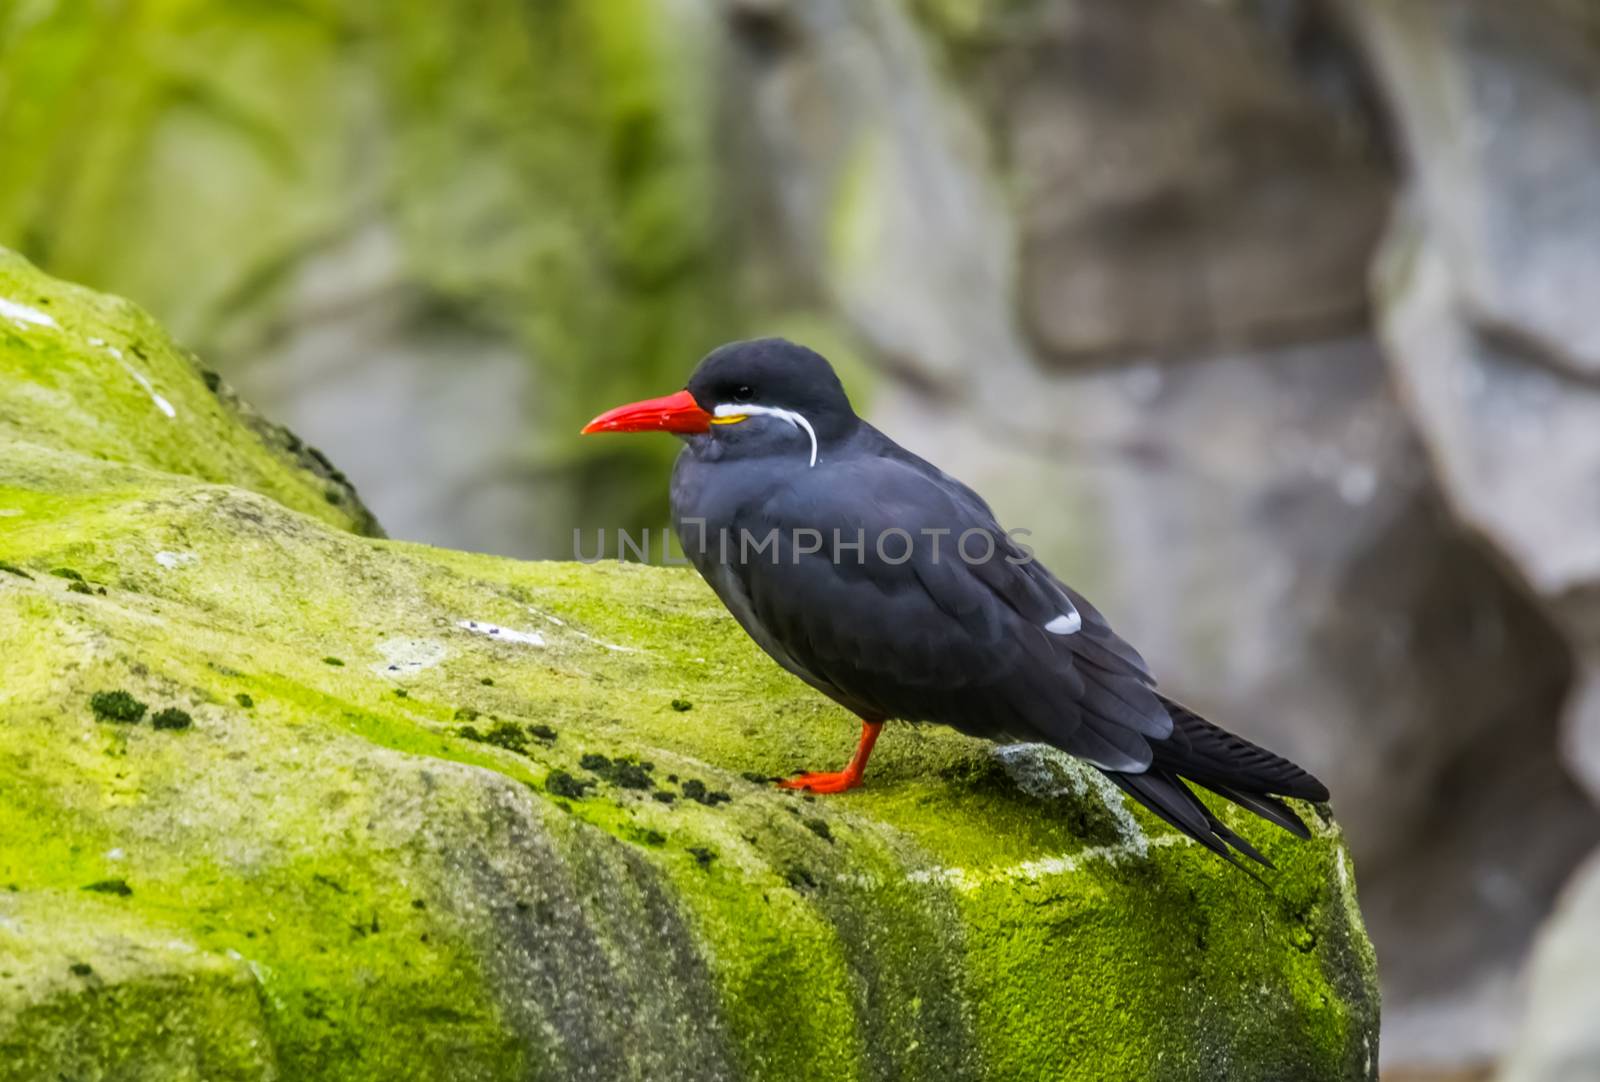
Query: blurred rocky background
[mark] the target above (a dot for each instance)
(1276, 321)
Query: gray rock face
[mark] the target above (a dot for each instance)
(1496, 104)
(1486, 311)
(1516, 442)
(1557, 1043)
(1486, 285)
(1159, 154)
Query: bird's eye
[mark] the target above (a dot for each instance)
(743, 393)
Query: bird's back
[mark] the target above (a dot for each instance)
(887, 615)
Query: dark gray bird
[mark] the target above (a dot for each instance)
(887, 585)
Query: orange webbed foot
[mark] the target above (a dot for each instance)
(823, 781)
(837, 781)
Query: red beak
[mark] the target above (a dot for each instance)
(672, 413)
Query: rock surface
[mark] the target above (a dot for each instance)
(1492, 338)
(1557, 1041)
(434, 815)
(1483, 284)
(1159, 154)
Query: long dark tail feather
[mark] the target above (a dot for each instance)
(1202, 752)
(1170, 799)
(1229, 766)
(1269, 808)
(1221, 830)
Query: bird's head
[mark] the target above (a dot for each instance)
(759, 397)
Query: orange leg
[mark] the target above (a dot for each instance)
(837, 781)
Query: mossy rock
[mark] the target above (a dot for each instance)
(563, 197)
(94, 376)
(327, 876)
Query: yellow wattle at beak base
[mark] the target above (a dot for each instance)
(733, 420)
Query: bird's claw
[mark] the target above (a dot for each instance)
(823, 781)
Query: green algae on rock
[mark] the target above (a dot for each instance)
(327, 879)
(117, 706)
(171, 718)
(105, 382)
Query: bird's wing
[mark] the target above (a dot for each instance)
(993, 646)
